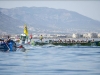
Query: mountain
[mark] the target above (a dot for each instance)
(43, 19)
(9, 25)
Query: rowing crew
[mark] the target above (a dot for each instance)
(8, 45)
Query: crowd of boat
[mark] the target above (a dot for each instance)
(8, 44)
(12, 45)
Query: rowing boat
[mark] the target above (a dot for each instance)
(96, 43)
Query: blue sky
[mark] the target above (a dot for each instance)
(87, 8)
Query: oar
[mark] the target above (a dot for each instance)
(21, 46)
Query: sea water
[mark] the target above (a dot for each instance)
(51, 60)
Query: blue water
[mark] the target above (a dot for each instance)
(51, 60)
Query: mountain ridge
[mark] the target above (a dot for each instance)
(8, 24)
(50, 19)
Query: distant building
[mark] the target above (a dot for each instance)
(61, 36)
(36, 36)
(99, 35)
(49, 36)
(74, 36)
(52, 36)
(92, 35)
(85, 35)
(77, 36)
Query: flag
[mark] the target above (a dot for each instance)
(25, 30)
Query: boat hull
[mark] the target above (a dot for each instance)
(97, 43)
(8, 46)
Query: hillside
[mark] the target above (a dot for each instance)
(43, 19)
(9, 25)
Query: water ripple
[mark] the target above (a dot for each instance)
(51, 60)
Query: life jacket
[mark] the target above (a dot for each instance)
(12, 45)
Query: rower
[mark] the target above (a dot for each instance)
(3, 45)
(30, 37)
(41, 38)
(11, 44)
(23, 38)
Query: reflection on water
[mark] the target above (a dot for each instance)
(51, 60)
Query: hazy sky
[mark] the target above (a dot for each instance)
(88, 8)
